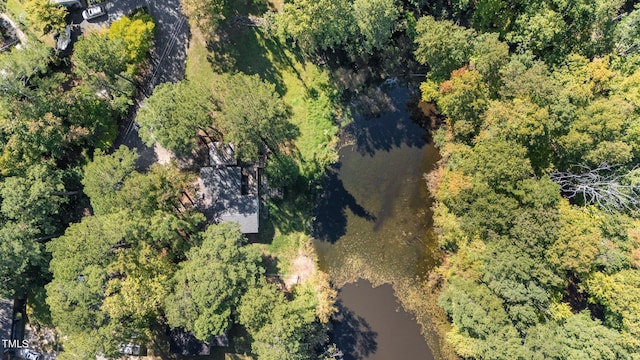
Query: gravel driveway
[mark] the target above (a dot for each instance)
(168, 58)
(172, 34)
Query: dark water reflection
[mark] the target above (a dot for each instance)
(384, 134)
(374, 222)
(372, 325)
(331, 220)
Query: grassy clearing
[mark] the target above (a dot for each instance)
(15, 10)
(307, 89)
(303, 85)
(198, 67)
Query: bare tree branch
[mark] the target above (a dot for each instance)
(602, 186)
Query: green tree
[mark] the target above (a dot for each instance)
(173, 115)
(578, 242)
(34, 200)
(117, 52)
(502, 164)
(137, 295)
(463, 99)
(443, 46)
(481, 326)
(376, 21)
(279, 328)
(121, 287)
(519, 279)
(627, 32)
(204, 15)
(160, 188)
(91, 119)
(20, 65)
(539, 31)
(30, 141)
(110, 60)
(579, 337)
(317, 24)
(526, 123)
(524, 78)
(210, 283)
(22, 260)
(94, 52)
(79, 265)
(105, 176)
(97, 55)
(173, 234)
(137, 34)
(493, 16)
(618, 293)
(489, 55)
(45, 16)
(254, 116)
(597, 133)
(92, 343)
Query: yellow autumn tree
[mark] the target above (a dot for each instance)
(45, 17)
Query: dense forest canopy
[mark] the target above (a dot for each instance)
(537, 191)
(537, 195)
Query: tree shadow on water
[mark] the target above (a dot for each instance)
(391, 129)
(353, 335)
(330, 220)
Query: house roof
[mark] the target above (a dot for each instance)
(222, 154)
(183, 342)
(244, 211)
(221, 191)
(6, 315)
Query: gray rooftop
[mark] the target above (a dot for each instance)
(221, 193)
(222, 154)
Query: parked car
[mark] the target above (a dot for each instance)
(31, 355)
(64, 39)
(129, 349)
(94, 12)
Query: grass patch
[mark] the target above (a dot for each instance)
(304, 86)
(16, 10)
(48, 40)
(198, 68)
(275, 5)
(237, 357)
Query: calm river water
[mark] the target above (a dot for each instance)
(373, 226)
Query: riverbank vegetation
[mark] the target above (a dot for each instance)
(536, 197)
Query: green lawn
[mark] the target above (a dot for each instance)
(307, 89)
(198, 67)
(15, 9)
(303, 85)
